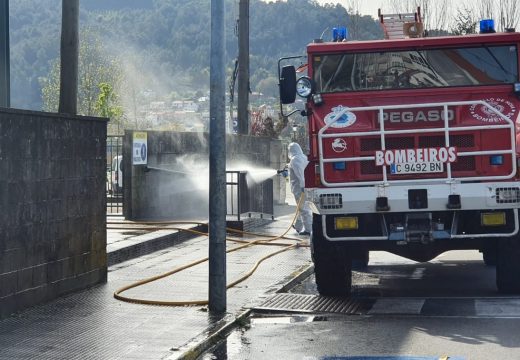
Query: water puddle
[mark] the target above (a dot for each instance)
(271, 320)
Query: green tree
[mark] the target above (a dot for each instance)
(96, 67)
(268, 86)
(51, 88)
(107, 105)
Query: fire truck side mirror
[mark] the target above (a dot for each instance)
(288, 84)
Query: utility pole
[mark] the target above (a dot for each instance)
(217, 162)
(5, 77)
(243, 67)
(69, 53)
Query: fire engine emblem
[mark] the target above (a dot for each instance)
(485, 114)
(346, 119)
(339, 145)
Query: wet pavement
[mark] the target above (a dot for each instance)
(92, 324)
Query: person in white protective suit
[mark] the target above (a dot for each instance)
(297, 164)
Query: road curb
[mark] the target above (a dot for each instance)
(221, 331)
(151, 245)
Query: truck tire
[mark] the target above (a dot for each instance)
(508, 265)
(490, 256)
(332, 266)
(361, 262)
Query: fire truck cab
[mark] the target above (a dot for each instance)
(412, 149)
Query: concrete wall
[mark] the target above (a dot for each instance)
(52, 206)
(175, 185)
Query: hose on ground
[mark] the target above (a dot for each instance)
(264, 240)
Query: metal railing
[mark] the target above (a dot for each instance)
(114, 181)
(248, 198)
(382, 133)
(233, 205)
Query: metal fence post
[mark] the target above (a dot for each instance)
(5, 86)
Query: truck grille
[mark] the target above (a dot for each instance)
(466, 163)
(485, 152)
(460, 141)
(373, 144)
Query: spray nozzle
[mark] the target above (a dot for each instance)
(284, 172)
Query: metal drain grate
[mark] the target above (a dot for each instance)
(315, 303)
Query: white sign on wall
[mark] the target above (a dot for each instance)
(140, 148)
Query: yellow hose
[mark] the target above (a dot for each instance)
(270, 238)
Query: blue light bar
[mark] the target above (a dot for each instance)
(487, 26)
(339, 34)
(343, 33)
(335, 34)
(496, 159)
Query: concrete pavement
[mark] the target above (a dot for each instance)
(93, 325)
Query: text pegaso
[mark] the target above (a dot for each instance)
(417, 116)
(443, 155)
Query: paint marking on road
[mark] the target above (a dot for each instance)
(397, 306)
(418, 273)
(388, 358)
(497, 307)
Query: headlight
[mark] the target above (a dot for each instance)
(304, 86)
(507, 195)
(331, 201)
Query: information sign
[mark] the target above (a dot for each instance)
(140, 148)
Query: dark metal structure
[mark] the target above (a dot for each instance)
(248, 198)
(114, 179)
(69, 53)
(243, 68)
(5, 78)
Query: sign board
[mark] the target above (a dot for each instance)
(140, 148)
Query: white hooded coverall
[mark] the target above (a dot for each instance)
(297, 164)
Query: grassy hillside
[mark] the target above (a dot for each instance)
(166, 41)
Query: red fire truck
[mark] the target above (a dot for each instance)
(412, 147)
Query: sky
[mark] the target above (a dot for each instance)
(366, 7)
(369, 7)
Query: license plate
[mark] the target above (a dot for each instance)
(417, 168)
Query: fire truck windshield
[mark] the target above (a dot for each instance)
(420, 68)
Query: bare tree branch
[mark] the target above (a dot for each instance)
(486, 9)
(434, 12)
(353, 12)
(509, 13)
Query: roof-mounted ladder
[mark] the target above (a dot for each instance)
(401, 26)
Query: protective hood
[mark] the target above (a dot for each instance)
(294, 149)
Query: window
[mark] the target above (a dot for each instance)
(469, 66)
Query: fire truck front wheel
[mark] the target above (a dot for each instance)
(508, 265)
(360, 262)
(332, 265)
(490, 256)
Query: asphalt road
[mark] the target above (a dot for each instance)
(448, 307)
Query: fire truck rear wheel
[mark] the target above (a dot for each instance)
(508, 265)
(332, 266)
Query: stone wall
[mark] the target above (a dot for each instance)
(174, 183)
(52, 206)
